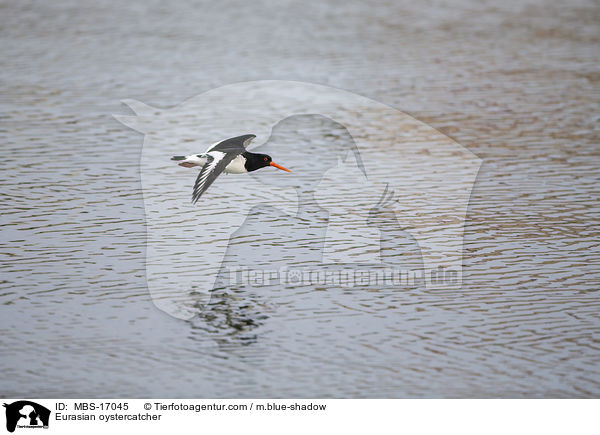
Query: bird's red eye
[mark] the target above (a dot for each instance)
(266, 158)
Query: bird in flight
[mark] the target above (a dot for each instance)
(229, 156)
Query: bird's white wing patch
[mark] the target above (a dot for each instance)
(214, 157)
(247, 141)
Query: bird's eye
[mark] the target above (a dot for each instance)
(266, 158)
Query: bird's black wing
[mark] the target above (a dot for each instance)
(216, 163)
(233, 144)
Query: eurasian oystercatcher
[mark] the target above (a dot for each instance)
(229, 156)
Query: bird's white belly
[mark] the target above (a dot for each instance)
(236, 166)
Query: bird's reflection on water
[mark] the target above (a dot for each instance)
(231, 316)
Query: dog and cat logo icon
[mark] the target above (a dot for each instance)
(26, 414)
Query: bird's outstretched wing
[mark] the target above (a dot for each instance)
(232, 144)
(218, 157)
(216, 163)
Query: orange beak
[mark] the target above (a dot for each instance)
(280, 167)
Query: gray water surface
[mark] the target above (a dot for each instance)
(516, 83)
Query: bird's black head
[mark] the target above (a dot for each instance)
(256, 161)
(264, 160)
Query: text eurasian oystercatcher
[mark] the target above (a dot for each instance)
(229, 156)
